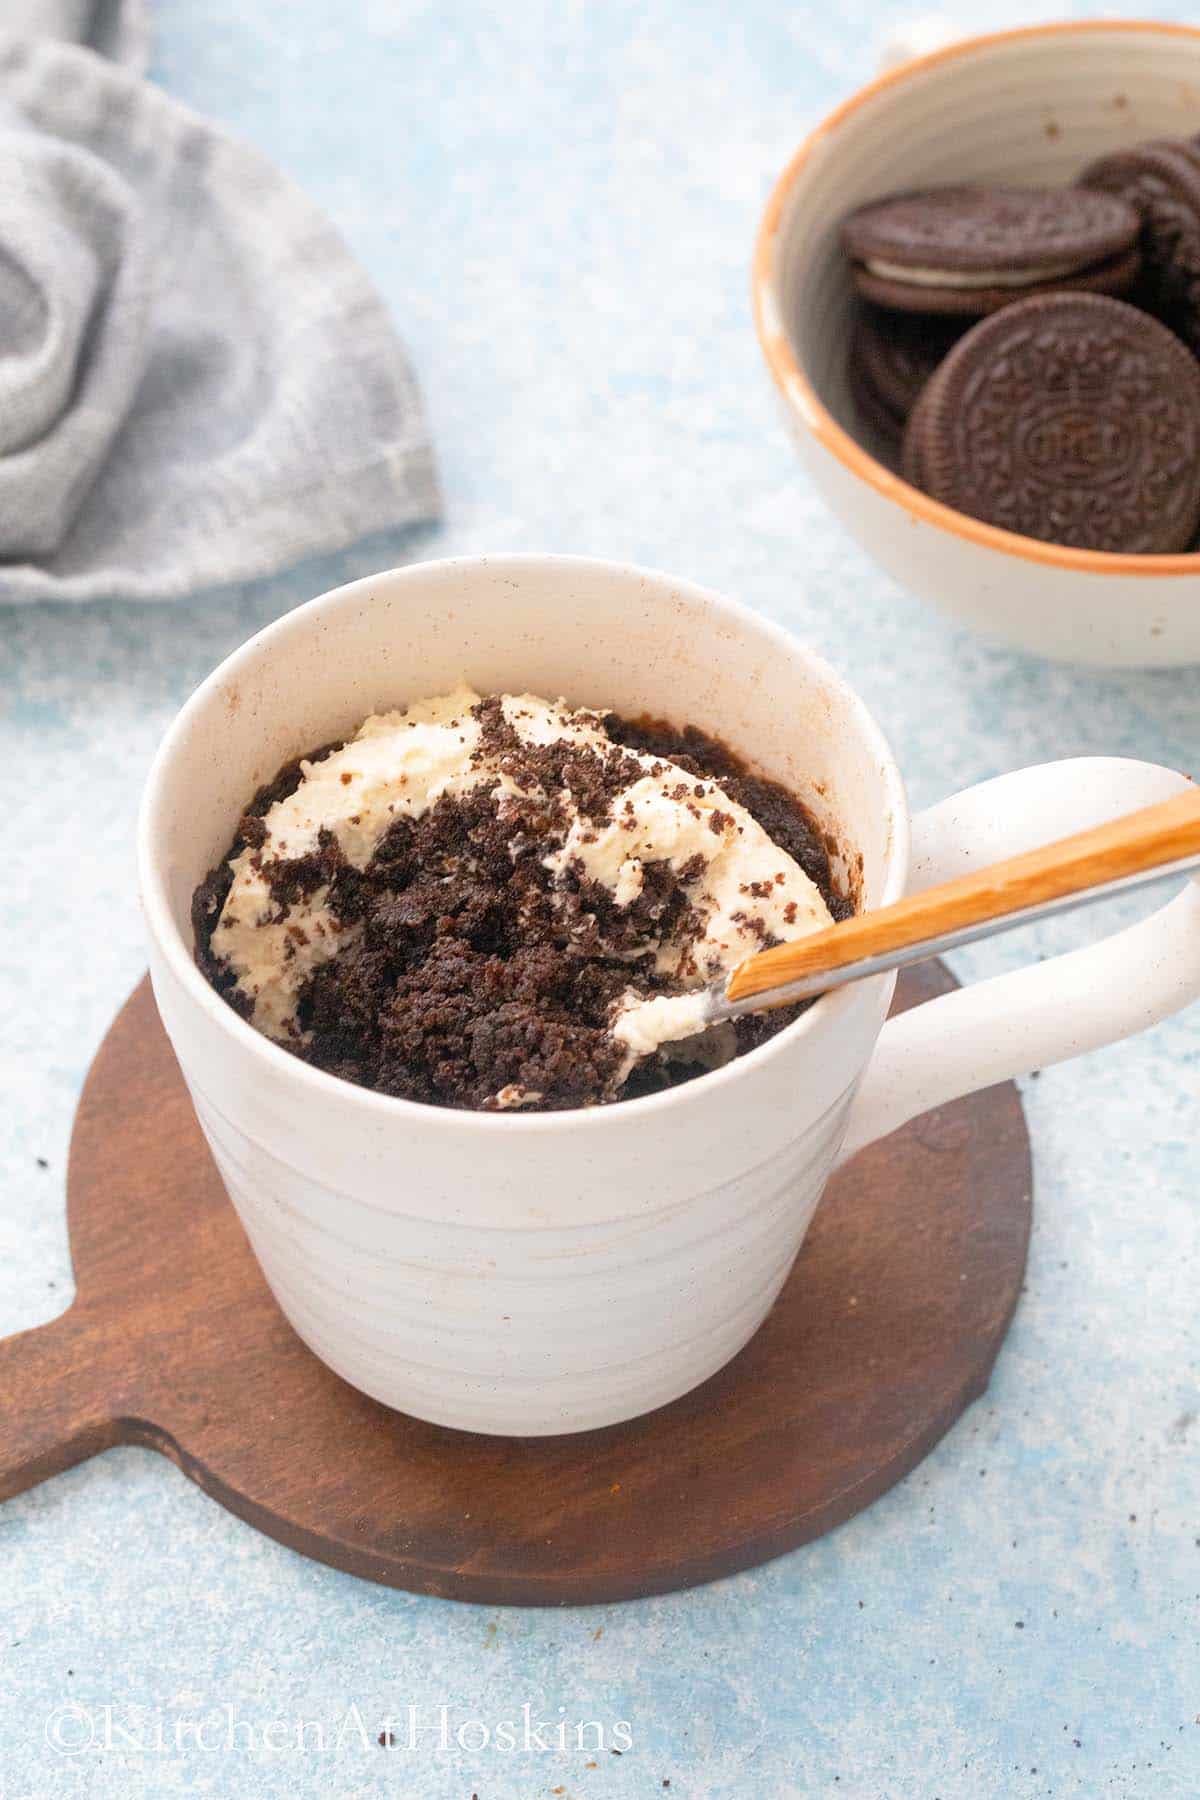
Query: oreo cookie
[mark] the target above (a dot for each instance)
(1072, 418)
(968, 251)
(1161, 181)
(912, 461)
(898, 352)
(892, 356)
(878, 426)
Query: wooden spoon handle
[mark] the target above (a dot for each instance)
(1132, 845)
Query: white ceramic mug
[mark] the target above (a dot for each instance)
(549, 1272)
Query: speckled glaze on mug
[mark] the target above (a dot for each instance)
(1025, 107)
(541, 1273)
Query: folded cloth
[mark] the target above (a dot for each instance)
(197, 382)
(115, 28)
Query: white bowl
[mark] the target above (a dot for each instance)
(1027, 107)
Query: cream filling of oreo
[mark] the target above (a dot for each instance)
(956, 278)
(399, 764)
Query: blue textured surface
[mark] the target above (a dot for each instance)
(558, 201)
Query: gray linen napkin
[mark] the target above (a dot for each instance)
(197, 382)
(116, 28)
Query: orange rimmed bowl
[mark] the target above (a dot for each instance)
(1026, 107)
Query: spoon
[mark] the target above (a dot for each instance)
(1142, 847)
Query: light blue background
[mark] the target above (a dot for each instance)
(558, 201)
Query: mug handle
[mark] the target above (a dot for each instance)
(1051, 1010)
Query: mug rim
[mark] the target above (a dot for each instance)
(798, 391)
(178, 955)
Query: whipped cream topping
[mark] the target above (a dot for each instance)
(743, 889)
(397, 764)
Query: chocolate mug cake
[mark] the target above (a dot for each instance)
(494, 902)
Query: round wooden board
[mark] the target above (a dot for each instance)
(887, 1328)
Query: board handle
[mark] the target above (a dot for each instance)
(60, 1401)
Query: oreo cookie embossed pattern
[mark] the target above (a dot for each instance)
(1072, 418)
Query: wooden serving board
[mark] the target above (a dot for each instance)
(887, 1328)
